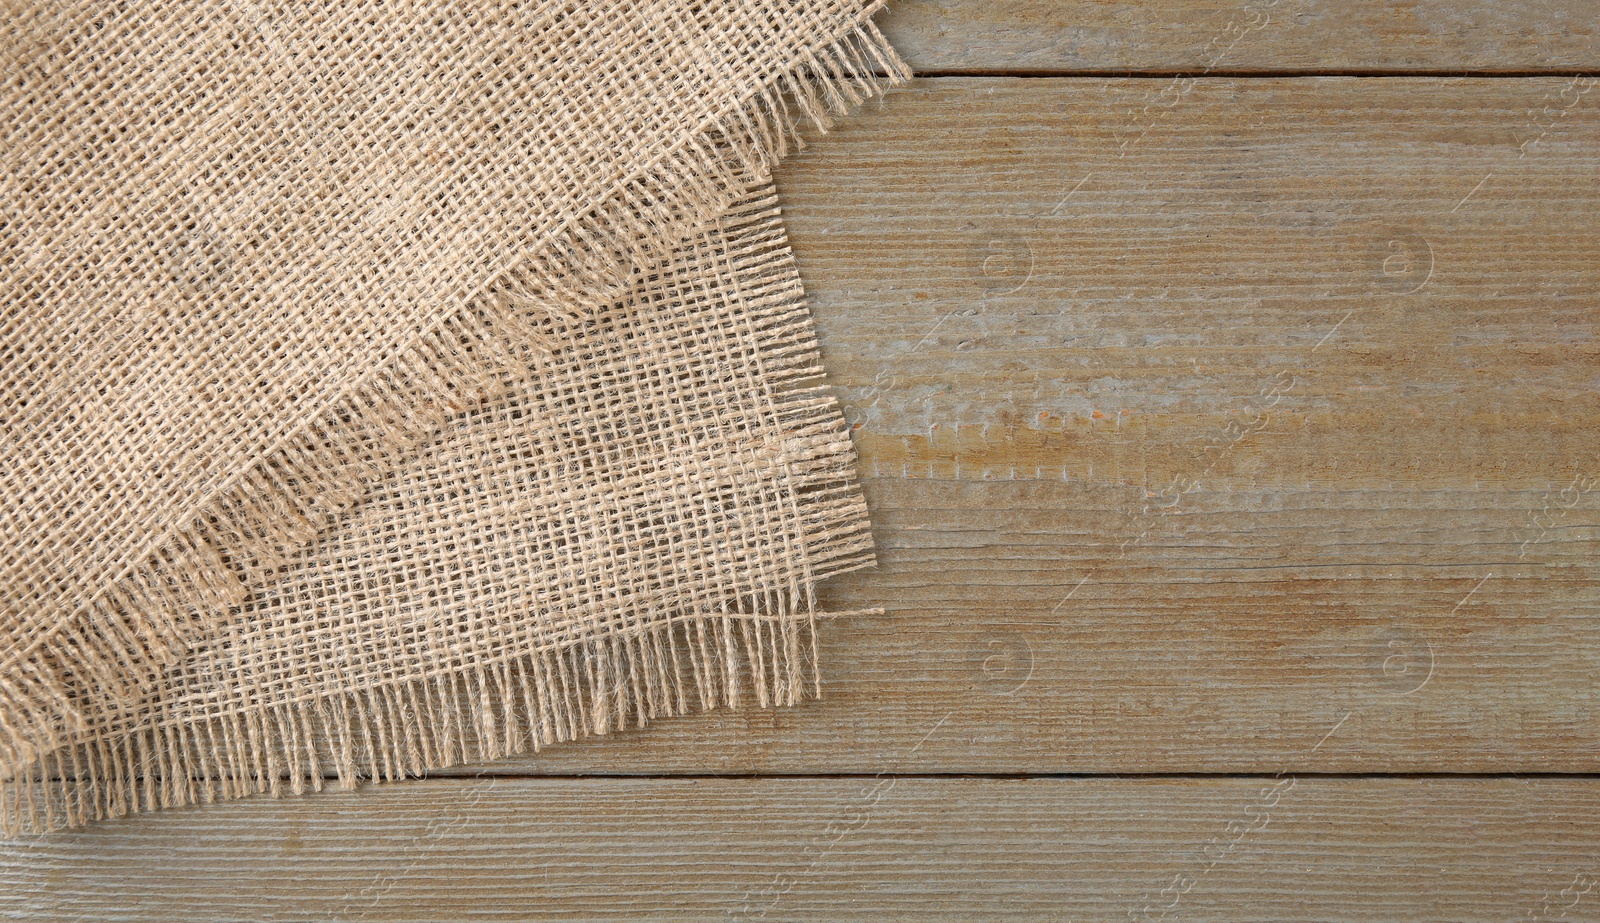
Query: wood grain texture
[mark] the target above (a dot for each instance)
(865, 849)
(1185, 453)
(1225, 36)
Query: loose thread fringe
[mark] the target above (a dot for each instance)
(118, 645)
(484, 712)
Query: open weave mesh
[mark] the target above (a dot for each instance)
(257, 260)
(632, 529)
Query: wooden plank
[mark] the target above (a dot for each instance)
(1225, 36)
(841, 849)
(1107, 545)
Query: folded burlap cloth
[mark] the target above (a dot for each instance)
(386, 387)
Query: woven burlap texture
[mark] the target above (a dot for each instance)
(261, 263)
(633, 529)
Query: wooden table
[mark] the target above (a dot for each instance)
(1226, 375)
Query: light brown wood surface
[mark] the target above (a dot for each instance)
(867, 849)
(1211, 424)
(1223, 36)
(1170, 474)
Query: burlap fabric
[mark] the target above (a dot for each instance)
(385, 388)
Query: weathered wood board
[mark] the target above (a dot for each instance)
(841, 849)
(1225, 36)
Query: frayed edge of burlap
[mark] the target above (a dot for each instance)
(760, 648)
(762, 652)
(118, 645)
(391, 733)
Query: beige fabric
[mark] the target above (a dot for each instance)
(632, 530)
(257, 262)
